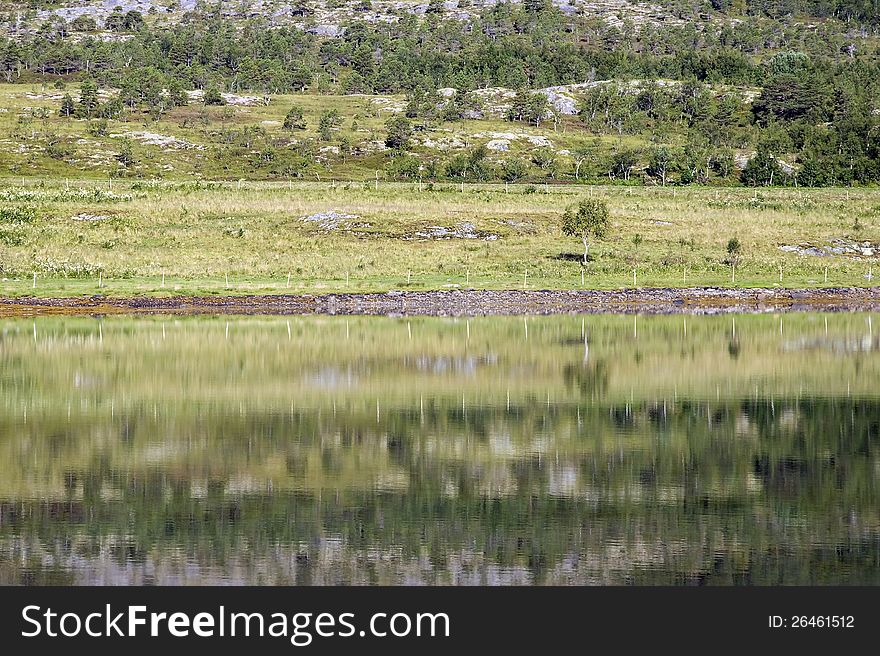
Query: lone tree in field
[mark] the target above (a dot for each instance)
(586, 220)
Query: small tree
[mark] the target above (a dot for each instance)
(761, 170)
(514, 170)
(67, 106)
(661, 163)
(734, 249)
(88, 98)
(125, 156)
(399, 132)
(344, 147)
(528, 107)
(585, 220)
(327, 122)
(213, 97)
(295, 119)
(582, 156)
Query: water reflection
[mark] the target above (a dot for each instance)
(551, 450)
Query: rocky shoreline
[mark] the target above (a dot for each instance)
(703, 300)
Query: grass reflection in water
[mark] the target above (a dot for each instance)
(326, 450)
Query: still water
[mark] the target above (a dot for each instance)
(541, 450)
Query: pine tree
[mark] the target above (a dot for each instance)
(88, 99)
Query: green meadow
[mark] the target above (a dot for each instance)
(128, 238)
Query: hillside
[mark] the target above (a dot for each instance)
(601, 92)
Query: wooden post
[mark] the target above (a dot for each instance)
(163, 278)
(634, 278)
(35, 279)
(227, 280)
(288, 279)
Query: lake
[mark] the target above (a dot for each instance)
(351, 450)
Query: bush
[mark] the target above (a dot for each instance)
(17, 215)
(294, 120)
(97, 128)
(399, 132)
(213, 97)
(514, 170)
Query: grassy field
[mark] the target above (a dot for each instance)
(120, 239)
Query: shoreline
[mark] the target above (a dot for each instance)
(697, 301)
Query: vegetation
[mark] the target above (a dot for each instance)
(775, 99)
(373, 236)
(228, 449)
(586, 220)
(456, 139)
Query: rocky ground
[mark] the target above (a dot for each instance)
(700, 301)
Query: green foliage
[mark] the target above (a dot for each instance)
(815, 107)
(327, 123)
(16, 214)
(126, 156)
(399, 131)
(662, 163)
(83, 23)
(790, 97)
(97, 128)
(295, 119)
(88, 99)
(68, 109)
(733, 246)
(528, 107)
(586, 220)
(404, 167)
(469, 166)
(514, 170)
(622, 163)
(213, 97)
(762, 170)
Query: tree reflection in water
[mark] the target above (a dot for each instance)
(370, 450)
